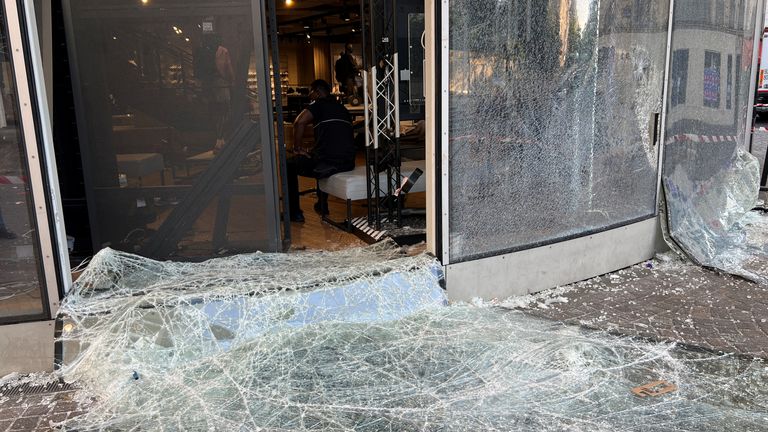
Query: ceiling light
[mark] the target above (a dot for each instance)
(345, 16)
(289, 3)
(144, 2)
(186, 39)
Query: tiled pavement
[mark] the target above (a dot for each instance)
(36, 412)
(682, 303)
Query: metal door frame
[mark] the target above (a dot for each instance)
(266, 119)
(758, 35)
(27, 346)
(38, 142)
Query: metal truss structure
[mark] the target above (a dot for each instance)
(382, 114)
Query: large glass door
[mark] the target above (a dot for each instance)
(175, 122)
(22, 288)
(553, 113)
(27, 270)
(34, 269)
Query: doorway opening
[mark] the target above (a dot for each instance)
(333, 41)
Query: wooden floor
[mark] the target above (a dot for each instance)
(314, 234)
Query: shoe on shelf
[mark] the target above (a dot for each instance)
(5, 234)
(297, 217)
(320, 210)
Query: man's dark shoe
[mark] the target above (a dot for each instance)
(297, 217)
(320, 209)
(5, 234)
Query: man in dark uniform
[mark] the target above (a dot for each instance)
(334, 149)
(346, 70)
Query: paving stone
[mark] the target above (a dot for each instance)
(25, 424)
(65, 406)
(11, 413)
(56, 418)
(37, 410)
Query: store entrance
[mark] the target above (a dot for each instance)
(331, 40)
(182, 144)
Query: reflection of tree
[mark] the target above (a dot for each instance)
(542, 44)
(581, 48)
(574, 39)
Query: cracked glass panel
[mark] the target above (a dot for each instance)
(710, 182)
(553, 112)
(272, 342)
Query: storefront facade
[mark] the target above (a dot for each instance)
(547, 128)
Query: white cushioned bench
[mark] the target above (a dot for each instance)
(353, 185)
(139, 165)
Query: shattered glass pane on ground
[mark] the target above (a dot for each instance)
(268, 341)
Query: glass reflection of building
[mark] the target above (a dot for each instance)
(709, 84)
(552, 99)
(709, 75)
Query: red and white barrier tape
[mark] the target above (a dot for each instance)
(701, 138)
(12, 180)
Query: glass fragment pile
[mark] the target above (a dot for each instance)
(709, 216)
(363, 340)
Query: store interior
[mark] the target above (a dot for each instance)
(313, 37)
(152, 123)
